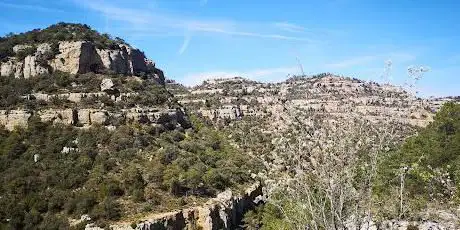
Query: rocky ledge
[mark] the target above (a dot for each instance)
(87, 117)
(223, 212)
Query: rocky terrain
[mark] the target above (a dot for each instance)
(328, 94)
(290, 125)
(223, 212)
(105, 104)
(132, 149)
(78, 57)
(81, 57)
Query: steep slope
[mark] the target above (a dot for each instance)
(71, 48)
(324, 93)
(55, 75)
(90, 134)
(321, 139)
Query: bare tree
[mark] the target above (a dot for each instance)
(331, 163)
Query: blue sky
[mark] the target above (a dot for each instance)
(266, 40)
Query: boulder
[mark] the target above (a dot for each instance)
(107, 84)
(98, 117)
(43, 48)
(7, 68)
(36, 157)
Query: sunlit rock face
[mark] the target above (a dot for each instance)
(79, 57)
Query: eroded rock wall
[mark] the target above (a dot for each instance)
(223, 212)
(171, 118)
(80, 57)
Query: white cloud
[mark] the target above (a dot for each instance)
(185, 44)
(265, 75)
(157, 22)
(289, 27)
(30, 7)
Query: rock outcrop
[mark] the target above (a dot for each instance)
(107, 85)
(235, 98)
(11, 119)
(170, 118)
(223, 212)
(12, 68)
(32, 67)
(78, 57)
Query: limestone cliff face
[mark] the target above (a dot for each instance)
(80, 57)
(32, 68)
(11, 119)
(330, 95)
(87, 117)
(76, 57)
(223, 212)
(12, 68)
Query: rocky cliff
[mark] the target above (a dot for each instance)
(107, 128)
(78, 57)
(223, 212)
(65, 52)
(326, 94)
(87, 117)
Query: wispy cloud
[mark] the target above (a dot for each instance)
(203, 2)
(30, 7)
(156, 21)
(289, 27)
(185, 44)
(395, 57)
(265, 75)
(353, 61)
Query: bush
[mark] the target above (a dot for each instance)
(54, 34)
(109, 209)
(108, 166)
(22, 54)
(432, 162)
(53, 222)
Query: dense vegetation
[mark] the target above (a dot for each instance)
(13, 91)
(429, 164)
(49, 173)
(53, 35)
(426, 164)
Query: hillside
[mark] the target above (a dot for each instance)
(324, 93)
(93, 135)
(323, 137)
(90, 134)
(95, 80)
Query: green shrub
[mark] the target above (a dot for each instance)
(108, 166)
(53, 222)
(22, 54)
(432, 160)
(109, 209)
